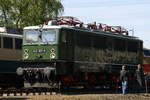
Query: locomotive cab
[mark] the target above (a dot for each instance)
(40, 52)
(40, 44)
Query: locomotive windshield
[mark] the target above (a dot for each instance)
(31, 36)
(48, 36)
(45, 36)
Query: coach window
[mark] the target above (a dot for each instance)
(147, 53)
(0, 42)
(18, 43)
(7, 42)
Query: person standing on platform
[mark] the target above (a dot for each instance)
(139, 75)
(124, 79)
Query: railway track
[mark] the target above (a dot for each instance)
(53, 91)
(27, 92)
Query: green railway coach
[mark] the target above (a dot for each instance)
(10, 55)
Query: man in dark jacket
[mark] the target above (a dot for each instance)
(139, 75)
(124, 78)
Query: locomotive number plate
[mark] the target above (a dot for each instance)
(39, 51)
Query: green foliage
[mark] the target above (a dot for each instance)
(5, 9)
(20, 13)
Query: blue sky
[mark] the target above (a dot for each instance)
(132, 14)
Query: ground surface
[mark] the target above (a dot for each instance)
(83, 97)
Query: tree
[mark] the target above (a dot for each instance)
(22, 13)
(5, 9)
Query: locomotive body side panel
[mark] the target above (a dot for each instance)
(96, 51)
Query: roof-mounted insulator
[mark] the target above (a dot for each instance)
(92, 26)
(73, 21)
(117, 29)
(64, 20)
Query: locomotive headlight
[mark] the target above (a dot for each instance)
(52, 50)
(19, 71)
(52, 55)
(25, 54)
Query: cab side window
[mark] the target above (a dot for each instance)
(63, 38)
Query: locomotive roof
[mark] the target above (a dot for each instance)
(44, 27)
(83, 29)
(105, 33)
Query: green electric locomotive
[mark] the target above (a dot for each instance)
(59, 54)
